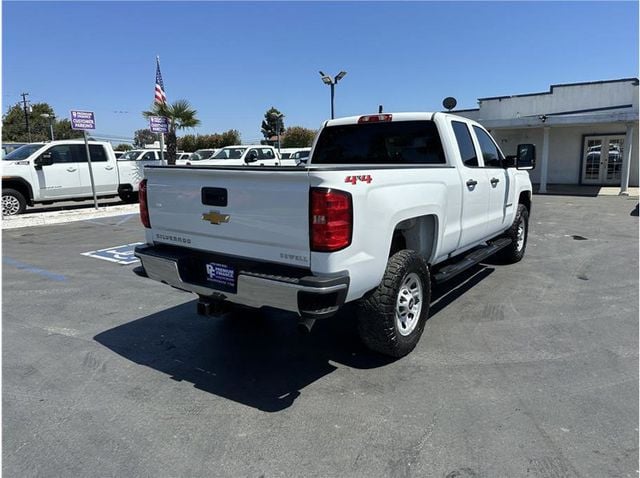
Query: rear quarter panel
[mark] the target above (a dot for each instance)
(392, 196)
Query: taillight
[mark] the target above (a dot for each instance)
(331, 219)
(374, 118)
(144, 208)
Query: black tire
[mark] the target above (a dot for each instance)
(13, 202)
(514, 252)
(379, 322)
(128, 196)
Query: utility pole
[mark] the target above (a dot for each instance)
(26, 114)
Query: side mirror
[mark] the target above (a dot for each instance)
(252, 157)
(45, 159)
(526, 158)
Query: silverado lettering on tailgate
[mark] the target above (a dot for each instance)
(167, 237)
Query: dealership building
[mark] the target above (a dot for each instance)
(585, 133)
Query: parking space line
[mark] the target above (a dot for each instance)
(35, 270)
(129, 216)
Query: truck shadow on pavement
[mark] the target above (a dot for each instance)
(259, 360)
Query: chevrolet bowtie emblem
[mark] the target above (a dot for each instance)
(214, 217)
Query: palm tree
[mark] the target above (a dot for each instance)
(181, 115)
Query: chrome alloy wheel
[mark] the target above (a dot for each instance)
(521, 234)
(10, 205)
(409, 304)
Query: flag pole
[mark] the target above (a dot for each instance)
(162, 147)
(161, 134)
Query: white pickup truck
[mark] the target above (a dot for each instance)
(388, 204)
(59, 171)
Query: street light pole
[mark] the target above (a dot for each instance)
(278, 120)
(51, 118)
(332, 82)
(333, 85)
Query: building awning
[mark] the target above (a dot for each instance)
(542, 121)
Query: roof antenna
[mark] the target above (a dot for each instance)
(379, 109)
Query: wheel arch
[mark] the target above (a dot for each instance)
(20, 185)
(419, 233)
(525, 199)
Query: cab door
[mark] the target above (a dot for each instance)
(57, 174)
(266, 157)
(498, 182)
(105, 173)
(475, 188)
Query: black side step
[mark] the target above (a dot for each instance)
(471, 259)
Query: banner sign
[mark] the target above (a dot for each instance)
(158, 124)
(83, 120)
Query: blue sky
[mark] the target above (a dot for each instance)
(233, 61)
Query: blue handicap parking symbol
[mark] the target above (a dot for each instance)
(118, 254)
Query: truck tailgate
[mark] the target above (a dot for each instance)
(254, 213)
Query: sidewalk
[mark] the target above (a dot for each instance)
(58, 217)
(576, 190)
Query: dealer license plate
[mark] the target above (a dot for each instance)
(221, 276)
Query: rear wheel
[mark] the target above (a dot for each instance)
(392, 317)
(13, 202)
(128, 196)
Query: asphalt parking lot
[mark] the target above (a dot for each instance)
(523, 370)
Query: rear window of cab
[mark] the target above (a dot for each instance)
(399, 142)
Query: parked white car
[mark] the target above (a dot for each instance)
(59, 171)
(183, 158)
(141, 155)
(301, 156)
(240, 155)
(293, 156)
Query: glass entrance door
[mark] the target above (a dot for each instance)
(602, 162)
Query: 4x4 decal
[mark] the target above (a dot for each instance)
(354, 179)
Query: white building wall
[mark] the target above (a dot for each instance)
(565, 149)
(562, 98)
(470, 114)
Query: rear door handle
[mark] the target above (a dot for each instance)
(472, 182)
(494, 181)
(71, 170)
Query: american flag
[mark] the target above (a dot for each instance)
(161, 97)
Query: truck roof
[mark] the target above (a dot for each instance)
(248, 146)
(73, 141)
(411, 116)
(405, 116)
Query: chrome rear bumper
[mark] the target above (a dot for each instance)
(310, 296)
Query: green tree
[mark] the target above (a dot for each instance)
(208, 141)
(144, 136)
(298, 137)
(14, 126)
(62, 130)
(272, 124)
(190, 142)
(230, 138)
(123, 147)
(187, 143)
(181, 115)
